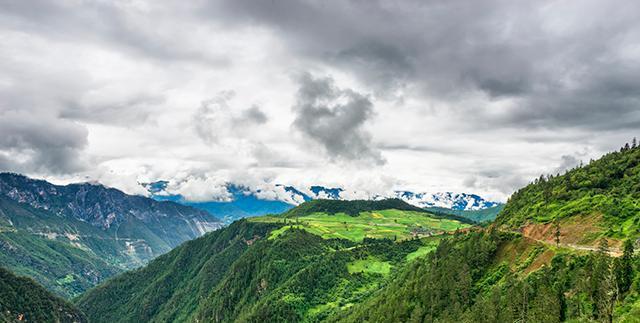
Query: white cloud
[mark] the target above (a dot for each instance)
(455, 99)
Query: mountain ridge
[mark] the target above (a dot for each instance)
(246, 202)
(71, 237)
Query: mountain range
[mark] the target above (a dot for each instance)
(246, 202)
(71, 237)
(562, 249)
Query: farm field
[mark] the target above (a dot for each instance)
(390, 224)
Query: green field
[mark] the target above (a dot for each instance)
(430, 245)
(391, 224)
(369, 265)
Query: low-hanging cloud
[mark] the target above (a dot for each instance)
(334, 118)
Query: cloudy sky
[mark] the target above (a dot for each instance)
(463, 96)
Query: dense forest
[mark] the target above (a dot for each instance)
(237, 274)
(476, 216)
(470, 279)
(352, 208)
(22, 299)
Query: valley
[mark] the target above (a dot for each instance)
(70, 238)
(556, 252)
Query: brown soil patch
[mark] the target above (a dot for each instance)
(543, 259)
(581, 229)
(581, 232)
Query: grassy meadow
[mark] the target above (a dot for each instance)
(390, 224)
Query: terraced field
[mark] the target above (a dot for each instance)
(391, 224)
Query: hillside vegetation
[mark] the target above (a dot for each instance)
(22, 299)
(498, 277)
(390, 224)
(31, 244)
(476, 216)
(238, 274)
(562, 250)
(70, 238)
(606, 192)
(352, 208)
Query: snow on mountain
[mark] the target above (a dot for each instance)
(247, 202)
(449, 200)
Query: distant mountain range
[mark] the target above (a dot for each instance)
(561, 250)
(71, 237)
(246, 203)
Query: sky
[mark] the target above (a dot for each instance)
(372, 96)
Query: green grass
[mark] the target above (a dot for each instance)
(370, 265)
(431, 245)
(391, 224)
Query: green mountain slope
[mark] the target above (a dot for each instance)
(485, 277)
(390, 224)
(601, 199)
(238, 274)
(352, 208)
(557, 253)
(51, 250)
(22, 299)
(547, 258)
(476, 216)
(70, 238)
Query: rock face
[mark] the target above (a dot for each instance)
(99, 205)
(71, 237)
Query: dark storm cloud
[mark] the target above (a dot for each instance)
(37, 143)
(126, 110)
(333, 118)
(566, 64)
(116, 24)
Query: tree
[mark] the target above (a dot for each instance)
(624, 268)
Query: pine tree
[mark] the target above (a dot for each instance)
(624, 268)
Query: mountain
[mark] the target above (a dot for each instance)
(447, 200)
(477, 216)
(22, 299)
(355, 261)
(597, 200)
(562, 249)
(275, 269)
(352, 208)
(102, 206)
(71, 237)
(246, 202)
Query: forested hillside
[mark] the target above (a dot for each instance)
(501, 277)
(352, 208)
(476, 216)
(70, 238)
(599, 199)
(239, 274)
(557, 252)
(22, 299)
(67, 256)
